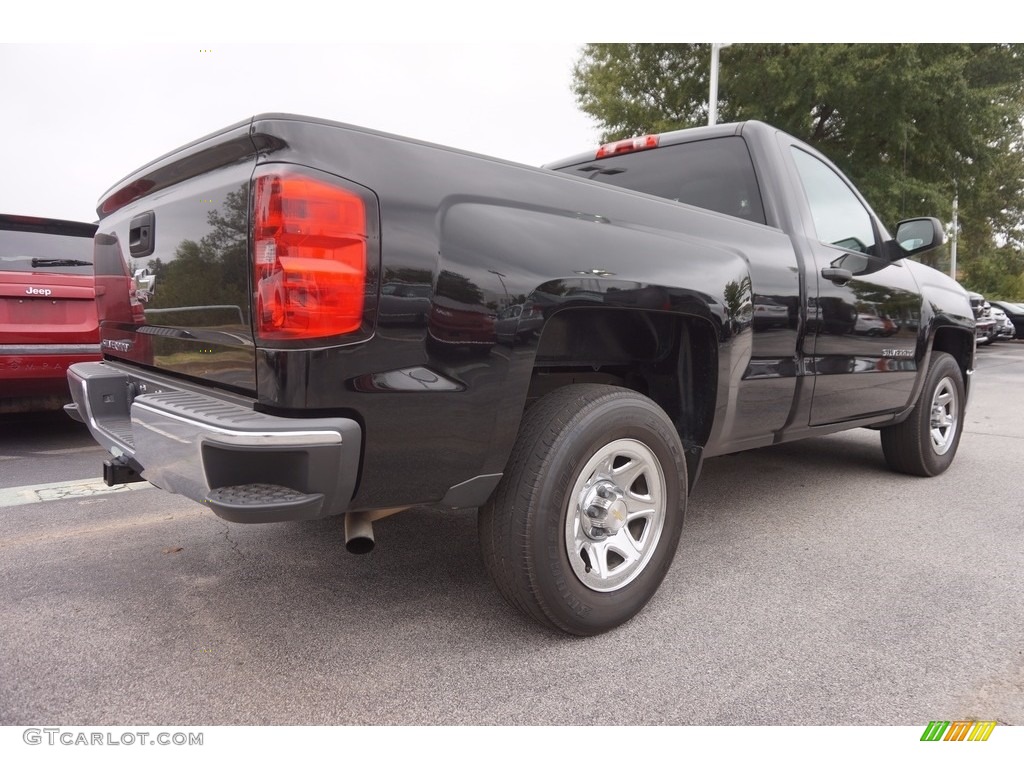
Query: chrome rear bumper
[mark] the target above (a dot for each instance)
(215, 448)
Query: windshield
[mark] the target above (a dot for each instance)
(39, 252)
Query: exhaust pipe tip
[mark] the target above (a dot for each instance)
(359, 545)
(358, 533)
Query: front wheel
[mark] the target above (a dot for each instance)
(925, 443)
(585, 523)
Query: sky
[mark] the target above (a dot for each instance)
(93, 91)
(79, 117)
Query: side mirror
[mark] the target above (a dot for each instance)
(915, 236)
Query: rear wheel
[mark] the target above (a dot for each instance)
(926, 442)
(585, 523)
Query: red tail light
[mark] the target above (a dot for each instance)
(627, 145)
(310, 257)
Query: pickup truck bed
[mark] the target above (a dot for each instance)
(339, 321)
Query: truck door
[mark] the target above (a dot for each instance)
(863, 311)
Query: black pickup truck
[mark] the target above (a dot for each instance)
(343, 322)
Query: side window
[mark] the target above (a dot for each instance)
(716, 174)
(839, 217)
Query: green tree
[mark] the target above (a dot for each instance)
(997, 275)
(912, 124)
(210, 272)
(458, 287)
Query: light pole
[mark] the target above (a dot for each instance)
(500, 280)
(952, 244)
(713, 96)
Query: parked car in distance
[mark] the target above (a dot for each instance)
(770, 313)
(984, 323)
(873, 325)
(48, 309)
(1004, 326)
(519, 322)
(1014, 313)
(404, 303)
(57, 285)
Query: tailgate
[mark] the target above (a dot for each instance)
(47, 309)
(180, 228)
(47, 292)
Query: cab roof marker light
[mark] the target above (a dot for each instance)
(635, 144)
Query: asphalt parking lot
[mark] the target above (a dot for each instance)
(812, 587)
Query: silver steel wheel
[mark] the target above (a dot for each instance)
(944, 416)
(584, 525)
(616, 515)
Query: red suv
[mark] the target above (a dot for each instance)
(49, 313)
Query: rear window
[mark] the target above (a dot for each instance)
(48, 253)
(716, 174)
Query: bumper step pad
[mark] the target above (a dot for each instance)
(259, 502)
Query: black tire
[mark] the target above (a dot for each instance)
(575, 447)
(926, 442)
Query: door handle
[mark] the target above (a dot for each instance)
(142, 235)
(837, 275)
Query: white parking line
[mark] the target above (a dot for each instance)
(68, 489)
(64, 451)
